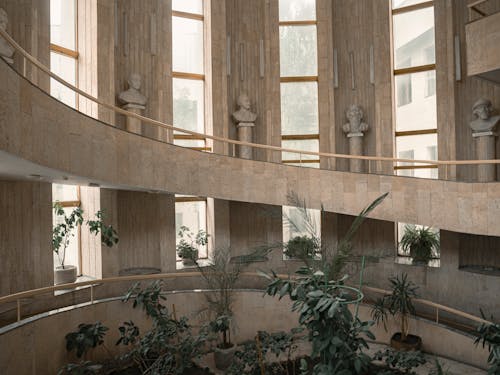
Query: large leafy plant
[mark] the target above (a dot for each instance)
(189, 243)
(87, 337)
(65, 230)
(321, 298)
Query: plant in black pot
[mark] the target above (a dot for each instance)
(399, 304)
(189, 244)
(303, 248)
(66, 229)
(420, 242)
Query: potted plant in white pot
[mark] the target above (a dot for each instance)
(419, 242)
(64, 231)
(189, 244)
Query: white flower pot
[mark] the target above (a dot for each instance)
(64, 275)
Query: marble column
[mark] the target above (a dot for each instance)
(133, 124)
(355, 148)
(245, 134)
(485, 150)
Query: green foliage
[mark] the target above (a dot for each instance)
(109, 236)
(82, 368)
(321, 299)
(438, 369)
(250, 358)
(403, 361)
(87, 337)
(489, 335)
(398, 303)
(62, 232)
(304, 248)
(170, 346)
(419, 242)
(187, 248)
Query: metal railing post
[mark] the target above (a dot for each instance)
(18, 310)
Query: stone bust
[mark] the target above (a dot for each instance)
(6, 50)
(482, 120)
(355, 125)
(133, 95)
(244, 113)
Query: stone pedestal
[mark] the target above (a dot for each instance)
(245, 130)
(132, 124)
(485, 150)
(355, 148)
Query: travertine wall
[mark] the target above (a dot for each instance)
(26, 257)
(29, 26)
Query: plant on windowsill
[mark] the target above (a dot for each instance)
(419, 242)
(64, 231)
(303, 248)
(399, 304)
(189, 244)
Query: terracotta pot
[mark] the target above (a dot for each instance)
(224, 357)
(64, 275)
(411, 343)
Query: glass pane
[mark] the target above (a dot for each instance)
(422, 147)
(187, 45)
(188, 104)
(297, 222)
(414, 38)
(416, 101)
(298, 51)
(297, 10)
(299, 108)
(404, 3)
(189, 142)
(61, 193)
(72, 251)
(194, 216)
(189, 6)
(307, 145)
(64, 67)
(63, 23)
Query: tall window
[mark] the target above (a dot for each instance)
(63, 49)
(188, 65)
(415, 93)
(68, 196)
(299, 98)
(299, 80)
(415, 85)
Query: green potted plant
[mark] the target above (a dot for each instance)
(65, 230)
(419, 242)
(302, 247)
(399, 303)
(221, 275)
(189, 243)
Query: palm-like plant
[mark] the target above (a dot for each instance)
(400, 303)
(419, 242)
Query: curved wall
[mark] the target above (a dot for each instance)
(38, 128)
(253, 312)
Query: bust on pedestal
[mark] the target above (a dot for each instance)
(6, 50)
(483, 131)
(245, 121)
(133, 102)
(354, 130)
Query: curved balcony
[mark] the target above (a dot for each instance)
(43, 136)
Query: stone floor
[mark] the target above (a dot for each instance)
(450, 367)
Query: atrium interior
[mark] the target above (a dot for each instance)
(262, 165)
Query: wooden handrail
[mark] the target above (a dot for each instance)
(160, 124)
(16, 297)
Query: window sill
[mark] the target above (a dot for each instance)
(78, 280)
(433, 263)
